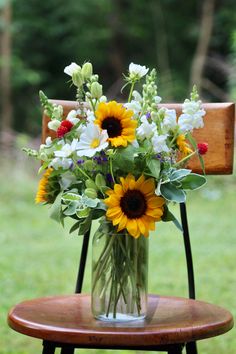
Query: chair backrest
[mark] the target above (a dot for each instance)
(218, 132)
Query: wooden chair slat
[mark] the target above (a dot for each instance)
(218, 132)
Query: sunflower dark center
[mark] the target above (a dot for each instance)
(113, 126)
(133, 204)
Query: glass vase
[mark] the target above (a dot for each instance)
(119, 275)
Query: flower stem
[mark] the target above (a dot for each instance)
(131, 91)
(186, 158)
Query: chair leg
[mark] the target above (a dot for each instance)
(191, 348)
(67, 349)
(48, 348)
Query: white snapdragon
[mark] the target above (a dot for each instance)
(72, 68)
(159, 143)
(54, 124)
(137, 71)
(92, 140)
(169, 120)
(67, 149)
(61, 162)
(72, 116)
(146, 129)
(192, 117)
(136, 104)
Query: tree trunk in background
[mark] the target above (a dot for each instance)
(117, 45)
(161, 47)
(5, 70)
(206, 26)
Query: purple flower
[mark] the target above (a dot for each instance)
(80, 162)
(109, 178)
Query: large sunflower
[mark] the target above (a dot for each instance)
(116, 119)
(134, 205)
(48, 188)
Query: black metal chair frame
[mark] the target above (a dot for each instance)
(191, 348)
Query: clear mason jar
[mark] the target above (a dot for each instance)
(119, 275)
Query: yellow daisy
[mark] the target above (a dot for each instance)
(134, 205)
(42, 194)
(183, 146)
(116, 119)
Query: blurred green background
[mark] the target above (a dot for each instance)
(188, 42)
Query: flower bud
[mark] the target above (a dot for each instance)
(57, 111)
(77, 79)
(91, 193)
(90, 184)
(87, 70)
(96, 90)
(100, 180)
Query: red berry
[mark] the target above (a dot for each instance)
(64, 128)
(202, 148)
(67, 124)
(61, 131)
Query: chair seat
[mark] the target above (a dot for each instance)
(68, 319)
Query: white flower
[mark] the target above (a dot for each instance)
(137, 71)
(61, 162)
(157, 99)
(72, 116)
(169, 121)
(71, 69)
(192, 117)
(146, 129)
(92, 140)
(48, 141)
(54, 124)
(134, 106)
(67, 149)
(159, 143)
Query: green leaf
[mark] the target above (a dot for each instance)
(202, 163)
(168, 216)
(193, 181)
(179, 174)
(43, 167)
(75, 226)
(170, 192)
(124, 158)
(55, 210)
(154, 167)
(192, 140)
(85, 225)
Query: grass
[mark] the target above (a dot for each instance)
(39, 258)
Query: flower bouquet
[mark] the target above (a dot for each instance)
(121, 163)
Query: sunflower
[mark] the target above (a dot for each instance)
(43, 195)
(183, 146)
(116, 119)
(134, 205)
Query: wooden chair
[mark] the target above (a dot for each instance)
(172, 322)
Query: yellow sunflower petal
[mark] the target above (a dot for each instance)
(123, 222)
(132, 228)
(113, 212)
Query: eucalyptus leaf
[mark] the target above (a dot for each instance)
(83, 213)
(179, 174)
(193, 181)
(71, 209)
(170, 192)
